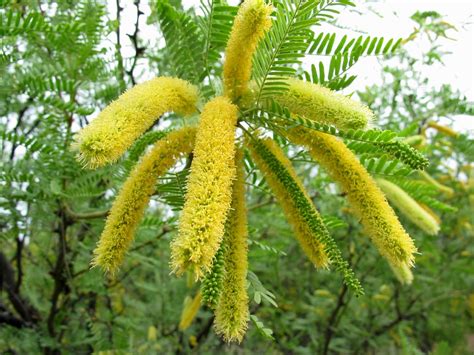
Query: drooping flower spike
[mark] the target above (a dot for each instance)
(409, 207)
(364, 195)
(318, 103)
(211, 243)
(208, 198)
(250, 25)
(110, 134)
(190, 310)
(134, 196)
(315, 233)
(309, 242)
(232, 310)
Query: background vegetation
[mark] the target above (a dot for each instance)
(61, 62)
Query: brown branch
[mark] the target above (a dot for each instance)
(332, 318)
(118, 47)
(134, 39)
(74, 216)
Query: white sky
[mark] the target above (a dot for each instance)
(393, 22)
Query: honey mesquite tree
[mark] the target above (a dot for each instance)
(260, 94)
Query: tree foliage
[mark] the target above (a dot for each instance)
(58, 70)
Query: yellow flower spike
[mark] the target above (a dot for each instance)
(190, 310)
(134, 196)
(445, 189)
(430, 212)
(416, 141)
(114, 130)
(232, 311)
(208, 199)
(252, 21)
(323, 105)
(402, 273)
(443, 129)
(313, 249)
(409, 207)
(367, 200)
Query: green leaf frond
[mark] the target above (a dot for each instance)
(216, 25)
(13, 23)
(308, 213)
(171, 189)
(283, 47)
(373, 141)
(184, 41)
(327, 44)
(327, 9)
(140, 145)
(344, 55)
(423, 192)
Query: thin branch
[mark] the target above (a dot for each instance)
(134, 39)
(118, 47)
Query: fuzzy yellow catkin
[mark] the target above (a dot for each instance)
(409, 207)
(115, 129)
(190, 310)
(313, 249)
(134, 196)
(208, 198)
(443, 129)
(323, 105)
(232, 311)
(402, 273)
(417, 141)
(252, 21)
(445, 189)
(367, 200)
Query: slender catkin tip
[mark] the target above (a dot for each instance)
(313, 249)
(134, 196)
(301, 205)
(190, 310)
(430, 180)
(208, 198)
(402, 273)
(367, 200)
(250, 25)
(409, 207)
(323, 105)
(443, 129)
(232, 311)
(114, 130)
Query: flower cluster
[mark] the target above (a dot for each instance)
(211, 243)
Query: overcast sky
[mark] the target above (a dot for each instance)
(387, 18)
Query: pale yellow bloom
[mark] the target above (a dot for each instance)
(313, 249)
(409, 207)
(209, 192)
(232, 311)
(443, 129)
(323, 105)
(445, 189)
(416, 141)
(367, 200)
(134, 196)
(402, 273)
(252, 21)
(190, 310)
(111, 133)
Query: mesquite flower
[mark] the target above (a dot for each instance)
(208, 199)
(134, 196)
(363, 194)
(409, 207)
(232, 312)
(110, 134)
